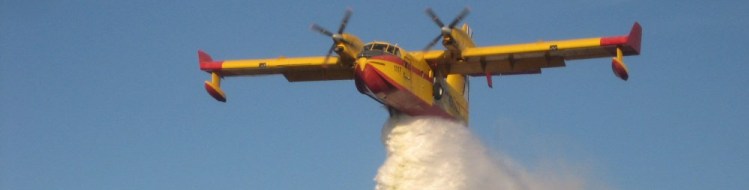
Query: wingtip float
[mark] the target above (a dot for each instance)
(618, 66)
(213, 87)
(427, 82)
(624, 45)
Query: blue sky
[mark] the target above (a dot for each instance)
(108, 95)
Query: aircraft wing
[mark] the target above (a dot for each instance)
(294, 69)
(530, 58)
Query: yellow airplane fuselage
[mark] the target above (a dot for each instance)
(406, 84)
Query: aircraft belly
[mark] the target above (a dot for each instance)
(390, 89)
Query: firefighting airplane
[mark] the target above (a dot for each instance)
(427, 82)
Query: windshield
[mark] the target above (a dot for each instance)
(382, 47)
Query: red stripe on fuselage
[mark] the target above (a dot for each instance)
(397, 60)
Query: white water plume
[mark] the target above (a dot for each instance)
(438, 154)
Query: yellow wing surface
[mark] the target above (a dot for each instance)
(530, 58)
(294, 69)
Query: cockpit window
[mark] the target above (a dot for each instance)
(368, 46)
(384, 47)
(391, 49)
(380, 47)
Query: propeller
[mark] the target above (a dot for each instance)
(445, 30)
(337, 37)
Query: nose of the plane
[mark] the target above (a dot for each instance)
(360, 63)
(369, 78)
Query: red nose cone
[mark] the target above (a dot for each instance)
(215, 91)
(372, 80)
(620, 70)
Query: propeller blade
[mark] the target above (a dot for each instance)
(321, 30)
(435, 18)
(338, 38)
(344, 22)
(460, 17)
(327, 56)
(431, 44)
(445, 30)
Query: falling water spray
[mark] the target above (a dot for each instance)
(438, 154)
